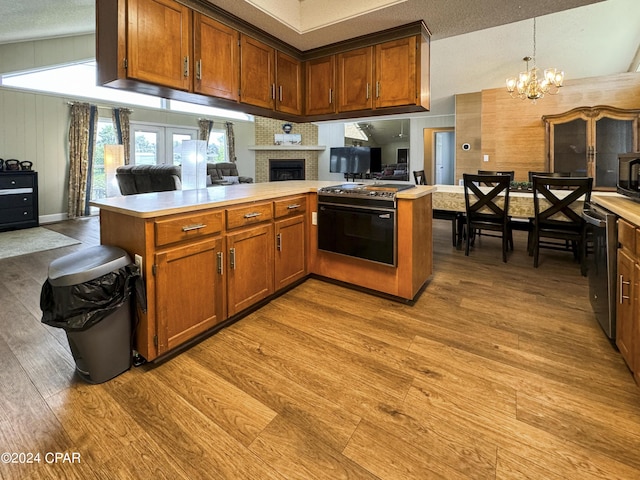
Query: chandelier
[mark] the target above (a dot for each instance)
(530, 83)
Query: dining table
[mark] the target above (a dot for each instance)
(449, 199)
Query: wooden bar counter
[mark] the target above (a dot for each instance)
(208, 256)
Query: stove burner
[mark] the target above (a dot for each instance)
(382, 191)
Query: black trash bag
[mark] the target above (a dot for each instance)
(79, 307)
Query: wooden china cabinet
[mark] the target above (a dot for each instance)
(586, 141)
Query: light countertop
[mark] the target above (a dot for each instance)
(619, 204)
(148, 205)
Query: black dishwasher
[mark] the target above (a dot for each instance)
(601, 265)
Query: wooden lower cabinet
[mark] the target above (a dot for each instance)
(250, 266)
(290, 258)
(190, 291)
(628, 294)
(624, 315)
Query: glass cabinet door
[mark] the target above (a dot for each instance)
(612, 138)
(570, 147)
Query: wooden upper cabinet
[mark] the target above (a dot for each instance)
(355, 78)
(288, 84)
(320, 85)
(159, 42)
(257, 73)
(396, 72)
(216, 56)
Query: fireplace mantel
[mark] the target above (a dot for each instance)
(287, 147)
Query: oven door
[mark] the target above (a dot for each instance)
(364, 232)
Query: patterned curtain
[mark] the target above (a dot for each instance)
(82, 133)
(121, 122)
(231, 141)
(205, 127)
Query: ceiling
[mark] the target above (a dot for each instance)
(475, 44)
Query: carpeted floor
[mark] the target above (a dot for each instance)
(29, 240)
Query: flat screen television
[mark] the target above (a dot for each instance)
(355, 159)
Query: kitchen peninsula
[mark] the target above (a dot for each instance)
(211, 255)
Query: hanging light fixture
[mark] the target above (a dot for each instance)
(530, 84)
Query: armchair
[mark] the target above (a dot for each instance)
(225, 172)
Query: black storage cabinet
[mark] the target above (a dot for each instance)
(88, 294)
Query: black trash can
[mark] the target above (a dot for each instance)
(88, 294)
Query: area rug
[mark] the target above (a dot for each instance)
(29, 240)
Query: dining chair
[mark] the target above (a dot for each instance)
(559, 218)
(487, 210)
(548, 174)
(419, 177)
(511, 174)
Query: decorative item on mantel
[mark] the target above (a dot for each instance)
(287, 138)
(528, 85)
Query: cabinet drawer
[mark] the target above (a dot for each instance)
(249, 214)
(11, 215)
(186, 227)
(627, 235)
(16, 181)
(12, 201)
(290, 206)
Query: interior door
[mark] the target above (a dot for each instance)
(444, 143)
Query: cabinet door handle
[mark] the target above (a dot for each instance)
(273, 91)
(220, 257)
(280, 92)
(622, 283)
(367, 90)
(279, 242)
(293, 206)
(232, 258)
(188, 228)
(330, 96)
(185, 71)
(377, 89)
(199, 69)
(252, 215)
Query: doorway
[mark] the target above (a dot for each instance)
(439, 155)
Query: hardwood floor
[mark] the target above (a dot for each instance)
(499, 371)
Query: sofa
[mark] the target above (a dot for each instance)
(224, 173)
(133, 179)
(394, 171)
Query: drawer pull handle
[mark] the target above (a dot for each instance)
(252, 215)
(232, 258)
(293, 206)
(279, 242)
(197, 226)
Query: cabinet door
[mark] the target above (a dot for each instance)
(250, 267)
(290, 258)
(355, 75)
(288, 84)
(257, 73)
(320, 82)
(216, 52)
(396, 73)
(190, 291)
(158, 42)
(624, 312)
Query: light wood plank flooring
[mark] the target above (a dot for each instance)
(499, 371)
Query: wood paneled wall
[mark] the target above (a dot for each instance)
(512, 133)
